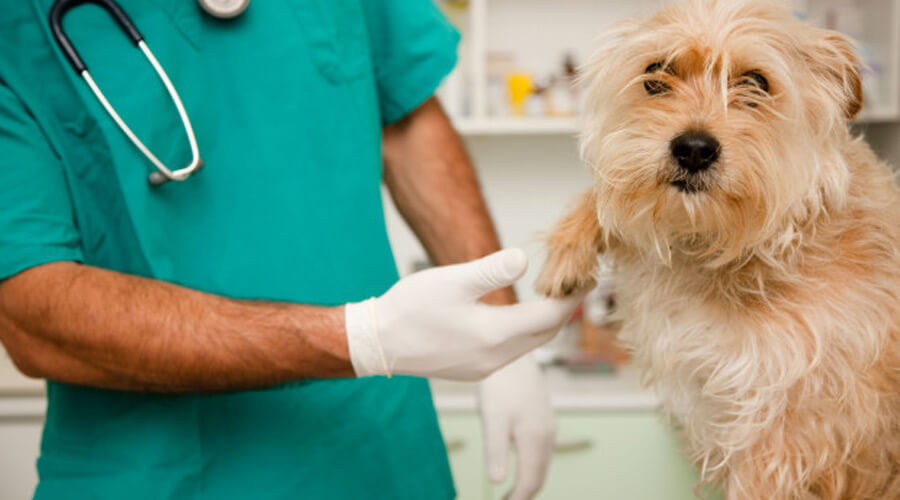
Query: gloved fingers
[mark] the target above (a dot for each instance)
(498, 270)
(534, 447)
(497, 441)
(541, 317)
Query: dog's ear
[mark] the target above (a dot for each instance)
(834, 60)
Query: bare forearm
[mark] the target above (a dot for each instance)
(431, 179)
(85, 325)
(435, 187)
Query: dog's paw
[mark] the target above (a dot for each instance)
(567, 271)
(573, 249)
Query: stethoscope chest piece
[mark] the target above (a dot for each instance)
(158, 178)
(224, 9)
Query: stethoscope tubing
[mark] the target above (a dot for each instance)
(163, 173)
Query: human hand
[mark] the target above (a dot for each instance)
(431, 324)
(516, 413)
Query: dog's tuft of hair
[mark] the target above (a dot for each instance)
(756, 244)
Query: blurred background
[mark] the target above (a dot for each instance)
(513, 99)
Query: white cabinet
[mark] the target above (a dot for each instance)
(19, 441)
(611, 443)
(462, 434)
(600, 454)
(21, 421)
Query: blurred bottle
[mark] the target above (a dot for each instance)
(499, 66)
(537, 104)
(560, 98)
(519, 86)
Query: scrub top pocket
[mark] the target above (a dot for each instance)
(336, 33)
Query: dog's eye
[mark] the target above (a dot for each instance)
(755, 79)
(654, 87)
(756, 83)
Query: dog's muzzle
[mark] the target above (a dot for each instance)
(694, 152)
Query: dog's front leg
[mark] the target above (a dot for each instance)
(572, 250)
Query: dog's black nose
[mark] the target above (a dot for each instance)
(695, 151)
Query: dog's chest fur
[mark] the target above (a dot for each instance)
(733, 362)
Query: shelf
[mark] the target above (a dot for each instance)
(475, 127)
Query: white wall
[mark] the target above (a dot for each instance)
(539, 32)
(528, 182)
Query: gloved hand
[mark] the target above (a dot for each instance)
(431, 324)
(515, 410)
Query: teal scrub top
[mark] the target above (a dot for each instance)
(288, 102)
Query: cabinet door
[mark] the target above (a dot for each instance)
(615, 456)
(618, 455)
(462, 434)
(19, 442)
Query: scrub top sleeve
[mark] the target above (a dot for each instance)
(413, 48)
(36, 219)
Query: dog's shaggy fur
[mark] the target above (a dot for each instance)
(761, 297)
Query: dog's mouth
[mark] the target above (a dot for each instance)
(686, 182)
(688, 186)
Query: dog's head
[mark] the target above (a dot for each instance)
(717, 126)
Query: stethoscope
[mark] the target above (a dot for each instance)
(219, 8)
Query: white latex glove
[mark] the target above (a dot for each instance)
(431, 324)
(516, 411)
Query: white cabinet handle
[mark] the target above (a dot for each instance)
(573, 445)
(456, 444)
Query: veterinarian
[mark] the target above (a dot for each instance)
(194, 332)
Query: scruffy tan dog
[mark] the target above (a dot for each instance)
(756, 244)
